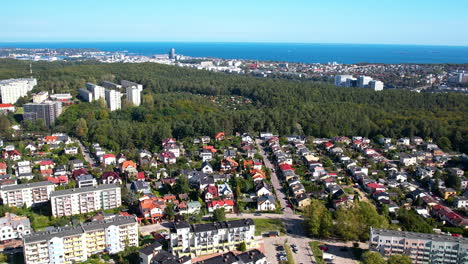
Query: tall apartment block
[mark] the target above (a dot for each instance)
(97, 91)
(27, 194)
(86, 95)
(201, 239)
(75, 244)
(133, 96)
(111, 85)
(113, 99)
(420, 247)
(12, 89)
(361, 81)
(127, 84)
(133, 91)
(48, 111)
(85, 200)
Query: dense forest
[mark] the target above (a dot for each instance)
(179, 102)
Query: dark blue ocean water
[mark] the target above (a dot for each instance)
(288, 52)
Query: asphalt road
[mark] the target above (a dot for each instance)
(292, 222)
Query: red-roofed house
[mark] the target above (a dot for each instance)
(285, 167)
(168, 141)
(152, 208)
(210, 193)
(219, 136)
(373, 187)
(59, 180)
(168, 157)
(109, 159)
(111, 177)
(12, 154)
(5, 108)
(228, 205)
(210, 148)
(79, 172)
(51, 139)
(228, 164)
(3, 168)
(140, 176)
(328, 145)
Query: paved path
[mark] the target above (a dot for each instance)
(292, 222)
(85, 153)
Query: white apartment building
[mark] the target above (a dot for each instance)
(97, 91)
(363, 81)
(340, 80)
(201, 239)
(86, 95)
(26, 194)
(113, 99)
(40, 97)
(75, 244)
(85, 200)
(376, 85)
(420, 247)
(12, 89)
(134, 96)
(49, 111)
(13, 226)
(127, 84)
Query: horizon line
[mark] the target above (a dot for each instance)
(233, 42)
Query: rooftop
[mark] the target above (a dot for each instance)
(71, 231)
(26, 185)
(84, 189)
(414, 235)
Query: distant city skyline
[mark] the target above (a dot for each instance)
(299, 21)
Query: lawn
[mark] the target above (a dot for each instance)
(263, 225)
(289, 254)
(318, 254)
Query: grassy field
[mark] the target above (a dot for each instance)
(289, 254)
(318, 254)
(263, 225)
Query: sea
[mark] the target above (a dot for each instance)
(283, 52)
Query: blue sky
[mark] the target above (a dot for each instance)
(427, 22)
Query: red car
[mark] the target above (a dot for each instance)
(457, 235)
(323, 248)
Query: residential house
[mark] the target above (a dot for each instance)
(86, 180)
(76, 164)
(219, 136)
(140, 187)
(206, 155)
(227, 204)
(266, 203)
(448, 192)
(303, 200)
(262, 188)
(456, 172)
(13, 227)
(109, 159)
(207, 168)
(210, 193)
(407, 160)
(11, 155)
(168, 157)
(228, 164)
(225, 191)
(111, 177)
(70, 150)
(130, 168)
(3, 168)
